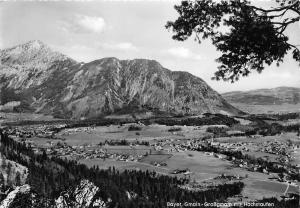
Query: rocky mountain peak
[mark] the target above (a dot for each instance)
(34, 44)
(32, 53)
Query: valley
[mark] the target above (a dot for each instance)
(263, 157)
(131, 133)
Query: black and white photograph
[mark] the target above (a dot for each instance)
(150, 104)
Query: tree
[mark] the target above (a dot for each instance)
(249, 37)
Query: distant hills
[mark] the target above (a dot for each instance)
(275, 96)
(37, 79)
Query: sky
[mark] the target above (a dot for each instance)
(89, 30)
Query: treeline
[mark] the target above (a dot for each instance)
(263, 130)
(208, 119)
(273, 129)
(280, 117)
(50, 176)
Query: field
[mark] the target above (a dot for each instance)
(202, 168)
(115, 132)
(14, 117)
(155, 158)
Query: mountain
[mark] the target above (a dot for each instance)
(35, 78)
(275, 96)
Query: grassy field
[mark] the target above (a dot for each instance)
(203, 168)
(156, 158)
(115, 132)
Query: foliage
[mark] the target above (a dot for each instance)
(249, 37)
(208, 119)
(217, 131)
(134, 128)
(173, 129)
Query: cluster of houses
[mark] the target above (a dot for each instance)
(87, 129)
(61, 149)
(42, 131)
(274, 147)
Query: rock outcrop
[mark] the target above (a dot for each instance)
(12, 197)
(83, 196)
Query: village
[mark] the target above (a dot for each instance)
(277, 152)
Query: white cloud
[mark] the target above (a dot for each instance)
(123, 46)
(181, 52)
(84, 24)
(94, 24)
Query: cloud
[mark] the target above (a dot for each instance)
(84, 24)
(181, 52)
(123, 46)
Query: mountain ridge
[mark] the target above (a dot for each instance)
(48, 82)
(265, 96)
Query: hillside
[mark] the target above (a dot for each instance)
(36, 79)
(276, 100)
(275, 96)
